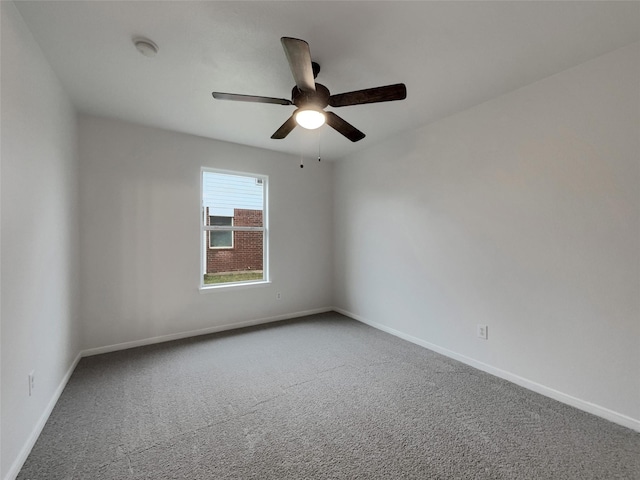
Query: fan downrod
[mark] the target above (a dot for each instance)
(316, 69)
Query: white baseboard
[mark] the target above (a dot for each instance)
(203, 331)
(584, 405)
(37, 429)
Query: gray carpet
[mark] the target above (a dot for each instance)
(323, 397)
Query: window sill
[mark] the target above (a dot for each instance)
(233, 286)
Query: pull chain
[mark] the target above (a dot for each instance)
(302, 151)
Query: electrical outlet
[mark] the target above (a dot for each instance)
(279, 296)
(483, 331)
(32, 381)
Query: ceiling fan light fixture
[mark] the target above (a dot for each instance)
(312, 98)
(310, 118)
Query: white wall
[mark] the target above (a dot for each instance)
(140, 234)
(521, 213)
(40, 329)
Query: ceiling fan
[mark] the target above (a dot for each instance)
(312, 98)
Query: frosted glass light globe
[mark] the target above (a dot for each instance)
(310, 119)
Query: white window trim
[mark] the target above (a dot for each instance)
(204, 237)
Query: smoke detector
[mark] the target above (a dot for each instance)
(145, 46)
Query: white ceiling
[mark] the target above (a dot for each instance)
(451, 56)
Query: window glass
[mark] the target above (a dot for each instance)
(220, 239)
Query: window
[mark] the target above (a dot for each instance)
(220, 239)
(233, 228)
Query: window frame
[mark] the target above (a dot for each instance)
(205, 229)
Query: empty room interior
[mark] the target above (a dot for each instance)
(442, 280)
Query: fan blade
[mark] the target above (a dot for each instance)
(343, 127)
(285, 129)
(250, 98)
(299, 58)
(387, 93)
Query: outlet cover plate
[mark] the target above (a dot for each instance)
(483, 332)
(32, 382)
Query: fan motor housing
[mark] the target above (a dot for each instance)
(319, 98)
